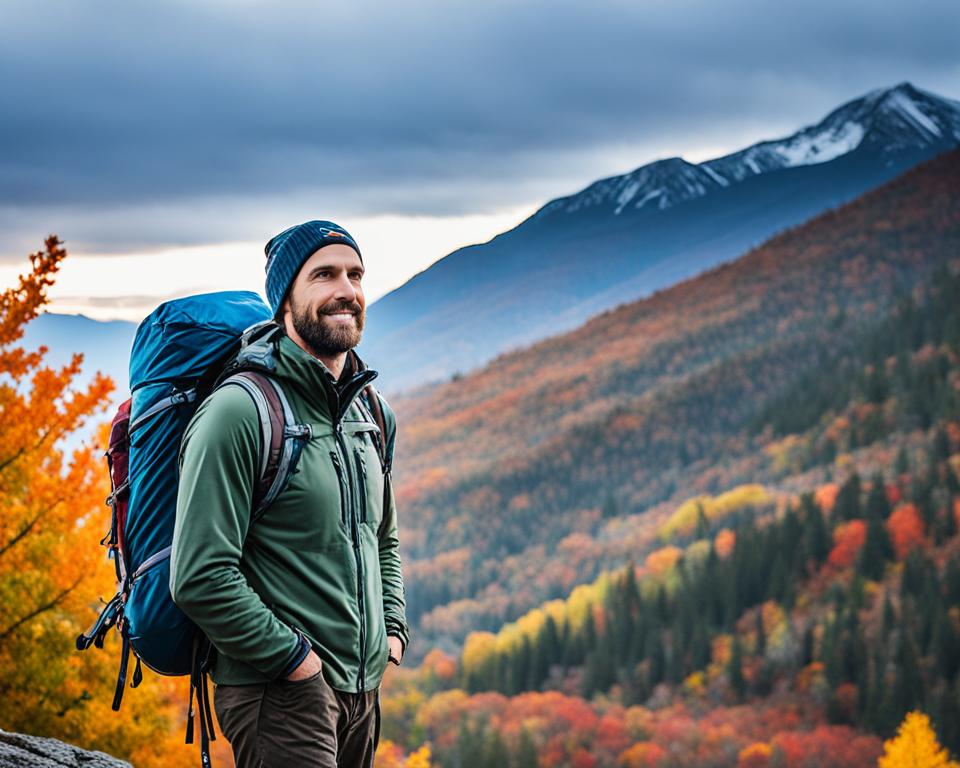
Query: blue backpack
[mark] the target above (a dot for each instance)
(181, 352)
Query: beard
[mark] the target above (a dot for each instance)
(328, 337)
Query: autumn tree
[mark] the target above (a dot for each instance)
(915, 746)
(52, 568)
(906, 529)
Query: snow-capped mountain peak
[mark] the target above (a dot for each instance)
(885, 121)
(658, 185)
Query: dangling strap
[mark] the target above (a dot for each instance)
(122, 676)
(198, 683)
(189, 737)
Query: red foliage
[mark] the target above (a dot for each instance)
(893, 494)
(906, 529)
(583, 759)
(827, 746)
(848, 541)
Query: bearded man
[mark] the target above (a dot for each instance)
(305, 607)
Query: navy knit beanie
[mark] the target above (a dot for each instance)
(287, 251)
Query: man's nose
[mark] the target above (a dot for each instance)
(345, 289)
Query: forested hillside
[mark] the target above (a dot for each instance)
(766, 628)
(555, 462)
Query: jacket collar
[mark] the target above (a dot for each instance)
(310, 376)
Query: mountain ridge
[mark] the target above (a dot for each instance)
(623, 237)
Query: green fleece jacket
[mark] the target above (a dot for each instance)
(321, 567)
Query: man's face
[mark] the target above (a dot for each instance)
(326, 302)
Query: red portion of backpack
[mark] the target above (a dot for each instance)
(118, 460)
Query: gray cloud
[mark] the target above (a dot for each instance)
(145, 124)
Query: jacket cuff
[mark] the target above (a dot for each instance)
(402, 635)
(299, 654)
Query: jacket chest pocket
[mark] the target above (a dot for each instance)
(366, 471)
(308, 514)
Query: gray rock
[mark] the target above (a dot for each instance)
(20, 751)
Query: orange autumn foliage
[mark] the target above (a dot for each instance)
(848, 540)
(663, 559)
(643, 754)
(52, 517)
(906, 529)
(441, 666)
(826, 496)
(389, 755)
(725, 541)
(757, 755)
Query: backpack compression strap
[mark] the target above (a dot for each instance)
(282, 438)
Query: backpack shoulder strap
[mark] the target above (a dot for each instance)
(372, 403)
(282, 438)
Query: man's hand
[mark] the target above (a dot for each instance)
(396, 649)
(308, 667)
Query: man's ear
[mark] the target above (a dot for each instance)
(282, 311)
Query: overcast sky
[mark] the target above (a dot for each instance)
(165, 142)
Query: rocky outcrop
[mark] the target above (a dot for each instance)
(20, 751)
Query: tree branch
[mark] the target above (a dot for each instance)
(28, 527)
(39, 610)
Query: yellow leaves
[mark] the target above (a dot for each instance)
(683, 521)
(477, 648)
(420, 758)
(783, 453)
(695, 684)
(389, 755)
(481, 648)
(915, 746)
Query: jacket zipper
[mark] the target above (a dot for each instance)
(355, 534)
(342, 398)
(362, 481)
(343, 502)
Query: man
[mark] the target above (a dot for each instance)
(305, 606)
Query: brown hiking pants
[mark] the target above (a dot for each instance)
(302, 723)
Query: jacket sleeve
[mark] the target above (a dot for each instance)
(219, 460)
(394, 602)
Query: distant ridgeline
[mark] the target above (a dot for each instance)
(624, 237)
